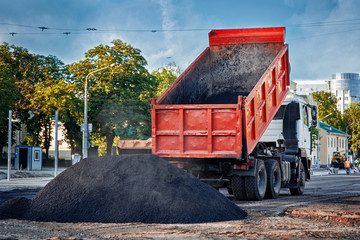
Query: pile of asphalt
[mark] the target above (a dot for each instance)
(14, 208)
(129, 188)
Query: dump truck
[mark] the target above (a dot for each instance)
(224, 119)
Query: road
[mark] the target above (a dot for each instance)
(320, 188)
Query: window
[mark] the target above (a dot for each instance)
(346, 98)
(280, 113)
(37, 155)
(305, 115)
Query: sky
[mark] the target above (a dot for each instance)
(323, 35)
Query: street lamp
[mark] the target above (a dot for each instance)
(86, 127)
(318, 140)
(347, 145)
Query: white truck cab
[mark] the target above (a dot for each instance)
(303, 116)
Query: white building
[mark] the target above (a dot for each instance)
(307, 87)
(64, 148)
(331, 140)
(346, 88)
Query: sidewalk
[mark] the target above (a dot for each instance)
(21, 183)
(324, 172)
(26, 179)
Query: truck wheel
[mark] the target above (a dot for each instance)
(238, 187)
(256, 186)
(273, 178)
(300, 187)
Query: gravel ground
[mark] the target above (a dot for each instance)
(299, 223)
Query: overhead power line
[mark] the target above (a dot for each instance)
(67, 31)
(92, 29)
(327, 23)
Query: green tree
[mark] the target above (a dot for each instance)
(42, 84)
(352, 118)
(165, 76)
(8, 97)
(24, 68)
(328, 105)
(51, 93)
(118, 97)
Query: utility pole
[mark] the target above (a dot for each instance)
(86, 125)
(9, 147)
(56, 144)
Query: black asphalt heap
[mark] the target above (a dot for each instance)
(222, 73)
(130, 188)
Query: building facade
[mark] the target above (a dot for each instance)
(64, 148)
(346, 88)
(307, 87)
(331, 140)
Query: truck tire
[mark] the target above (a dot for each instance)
(238, 187)
(300, 187)
(256, 186)
(273, 178)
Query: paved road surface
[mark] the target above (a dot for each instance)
(320, 188)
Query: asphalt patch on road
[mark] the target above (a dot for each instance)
(128, 188)
(344, 211)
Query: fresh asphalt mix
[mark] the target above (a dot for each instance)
(28, 187)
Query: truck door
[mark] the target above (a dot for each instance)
(305, 138)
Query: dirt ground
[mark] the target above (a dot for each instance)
(339, 219)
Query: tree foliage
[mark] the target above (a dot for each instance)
(8, 97)
(119, 96)
(51, 93)
(40, 88)
(165, 77)
(328, 112)
(352, 119)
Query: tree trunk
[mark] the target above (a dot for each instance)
(47, 138)
(1, 153)
(109, 143)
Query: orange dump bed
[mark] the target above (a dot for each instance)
(221, 105)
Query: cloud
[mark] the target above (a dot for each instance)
(331, 45)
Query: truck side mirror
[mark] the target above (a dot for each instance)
(313, 116)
